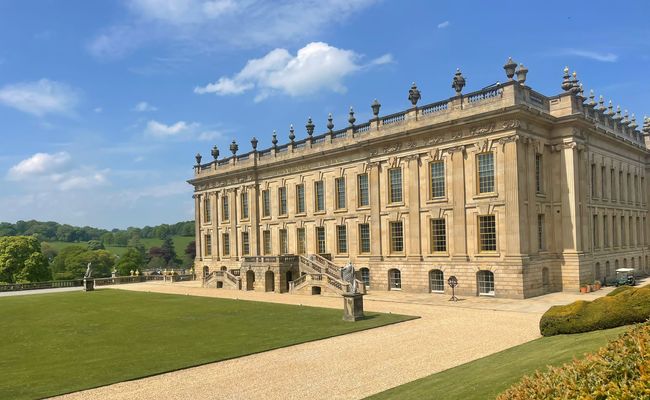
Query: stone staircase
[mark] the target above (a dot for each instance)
(317, 271)
(222, 279)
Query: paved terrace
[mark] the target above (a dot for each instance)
(447, 334)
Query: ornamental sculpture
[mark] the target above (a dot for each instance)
(347, 276)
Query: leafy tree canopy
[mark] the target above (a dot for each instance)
(21, 260)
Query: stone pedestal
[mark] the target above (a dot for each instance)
(352, 307)
(89, 285)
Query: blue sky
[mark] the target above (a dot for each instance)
(103, 104)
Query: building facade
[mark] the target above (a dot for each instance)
(514, 193)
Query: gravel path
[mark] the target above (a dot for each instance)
(446, 335)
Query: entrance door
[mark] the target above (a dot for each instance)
(289, 277)
(269, 281)
(250, 280)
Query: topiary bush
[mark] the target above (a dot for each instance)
(626, 306)
(620, 370)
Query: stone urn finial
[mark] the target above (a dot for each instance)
(459, 82)
(274, 140)
(414, 94)
(617, 115)
(310, 127)
(198, 158)
(633, 125)
(646, 125)
(521, 74)
(592, 99)
(292, 135)
(254, 143)
(610, 109)
(601, 103)
(233, 148)
(215, 152)
(566, 80)
(375, 108)
(330, 123)
(509, 67)
(575, 83)
(351, 118)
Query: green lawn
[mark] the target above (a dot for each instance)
(485, 378)
(180, 243)
(62, 342)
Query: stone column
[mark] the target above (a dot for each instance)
(414, 242)
(375, 208)
(214, 204)
(515, 220)
(569, 195)
(253, 211)
(197, 227)
(235, 251)
(459, 229)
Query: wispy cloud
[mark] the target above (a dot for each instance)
(444, 24)
(315, 67)
(180, 130)
(604, 57)
(143, 106)
(39, 164)
(40, 97)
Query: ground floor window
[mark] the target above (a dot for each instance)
(365, 276)
(394, 279)
(436, 281)
(485, 280)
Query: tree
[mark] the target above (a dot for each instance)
(190, 250)
(137, 244)
(168, 251)
(21, 260)
(102, 263)
(95, 245)
(48, 251)
(132, 260)
(59, 268)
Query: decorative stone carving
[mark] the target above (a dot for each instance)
(481, 130)
(510, 124)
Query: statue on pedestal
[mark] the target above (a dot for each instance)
(352, 300)
(347, 275)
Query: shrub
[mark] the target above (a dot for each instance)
(622, 307)
(620, 370)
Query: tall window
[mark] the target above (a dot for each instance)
(339, 184)
(362, 184)
(437, 172)
(244, 205)
(630, 226)
(208, 245)
(302, 243)
(620, 186)
(614, 231)
(319, 193)
(593, 180)
(365, 277)
(642, 190)
(226, 244)
(541, 239)
(320, 239)
(364, 238)
(539, 188)
(207, 210)
(622, 227)
(605, 231)
(394, 279)
(341, 239)
(284, 242)
(485, 172)
(487, 233)
(485, 282)
(396, 237)
(266, 242)
(300, 198)
(436, 281)
(595, 232)
(603, 182)
(282, 200)
(638, 231)
(612, 184)
(225, 208)
(438, 231)
(629, 188)
(245, 245)
(395, 185)
(636, 188)
(266, 203)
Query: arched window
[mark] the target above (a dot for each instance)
(365, 277)
(625, 263)
(394, 279)
(485, 282)
(597, 272)
(608, 270)
(632, 262)
(436, 281)
(615, 264)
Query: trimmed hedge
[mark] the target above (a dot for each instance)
(623, 306)
(620, 370)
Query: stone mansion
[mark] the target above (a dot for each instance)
(515, 193)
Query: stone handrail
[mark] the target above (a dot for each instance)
(434, 107)
(13, 287)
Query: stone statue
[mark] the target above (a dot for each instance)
(347, 275)
(89, 271)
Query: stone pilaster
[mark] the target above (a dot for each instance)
(375, 215)
(414, 242)
(197, 227)
(459, 229)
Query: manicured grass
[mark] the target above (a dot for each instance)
(485, 378)
(62, 342)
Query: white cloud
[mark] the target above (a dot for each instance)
(210, 24)
(38, 164)
(317, 66)
(159, 129)
(604, 57)
(98, 110)
(40, 97)
(143, 106)
(444, 24)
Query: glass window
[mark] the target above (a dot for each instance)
(539, 188)
(622, 227)
(603, 183)
(630, 226)
(364, 197)
(282, 200)
(605, 231)
(593, 180)
(319, 193)
(396, 237)
(208, 245)
(541, 240)
(485, 172)
(226, 244)
(436, 280)
(437, 170)
(614, 231)
(302, 244)
(284, 242)
(438, 231)
(245, 245)
(595, 231)
(364, 238)
(225, 208)
(266, 242)
(612, 184)
(485, 280)
(487, 231)
(394, 279)
(320, 239)
(207, 210)
(340, 193)
(342, 239)
(300, 199)
(395, 185)
(266, 203)
(244, 205)
(365, 277)
(629, 188)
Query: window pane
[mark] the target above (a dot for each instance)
(364, 238)
(437, 179)
(207, 210)
(282, 200)
(244, 243)
(438, 235)
(394, 279)
(486, 173)
(226, 244)
(266, 238)
(487, 233)
(538, 173)
(284, 243)
(436, 281)
(364, 199)
(244, 205)
(485, 280)
(365, 276)
(395, 184)
(320, 239)
(266, 203)
(540, 232)
(300, 199)
(320, 196)
(208, 245)
(342, 238)
(396, 237)
(225, 208)
(340, 193)
(301, 241)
